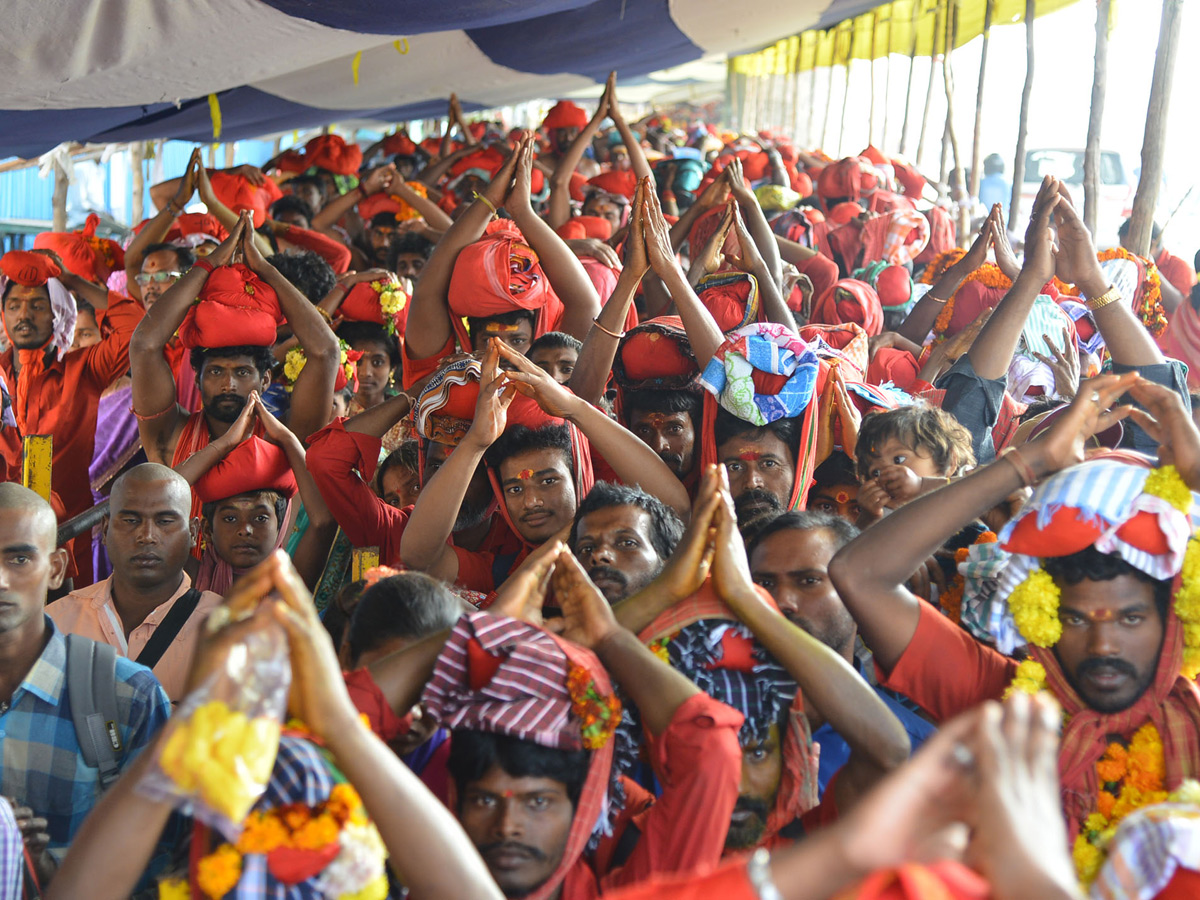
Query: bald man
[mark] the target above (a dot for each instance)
(43, 768)
(147, 608)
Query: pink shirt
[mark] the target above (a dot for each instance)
(90, 611)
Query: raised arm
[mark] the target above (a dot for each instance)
(833, 692)
(750, 260)
(560, 182)
(312, 394)
(632, 460)
(756, 224)
(992, 351)
(331, 213)
(434, 216)
(1127, 340)
(564, 271)
(870, 572)
(424, 546)
(429, 326)
(637, 157)
(156, 228)
(159, 415)
(223, 214)
(599, 349)
(702, 330)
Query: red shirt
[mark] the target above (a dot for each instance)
(945, 670)
(333, 252)
(63, 403)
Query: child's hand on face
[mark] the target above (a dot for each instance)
(872, 498)
(901, 483)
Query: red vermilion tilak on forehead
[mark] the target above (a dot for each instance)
(525, 474)
(657, 419)
(497, 326)
(842, 497)
(749, 456)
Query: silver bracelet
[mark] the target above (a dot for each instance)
(758, 870)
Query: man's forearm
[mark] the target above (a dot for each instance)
(656, 688)
(378, 420)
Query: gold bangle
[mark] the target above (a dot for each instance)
(612, 334)
(1112, 295)
(488, 203)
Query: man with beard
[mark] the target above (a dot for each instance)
(761, 464)
(230, 332)
(622, 537)
(56, 390)
(149, 535)
(562, 125)
(667, 422)
(789, 559)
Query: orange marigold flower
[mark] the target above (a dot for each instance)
(318, 832)
(1110, 771)
(1105, 803)
(219, 872)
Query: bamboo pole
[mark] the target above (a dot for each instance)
(1014, 206)
(937, 30)
(59, 197)
(1154, 140)
(957, 176)
(812, 107)
(871, 72)
(828, 104)
(137, 181)
(887, 83)
(976, 149)
(845, 103)
(912, 58)
(1091, 153)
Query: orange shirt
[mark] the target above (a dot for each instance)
(91, 612)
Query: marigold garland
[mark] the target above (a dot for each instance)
(989, 275)
(1034, 607)
(1187, 608)
(391, 301)
(293, 363)
(1030, 678)
(598, 715)
(1149, 307)
(952, 600)
(219, 872)
(940, 263)
(1129, 777)
(1166, 482)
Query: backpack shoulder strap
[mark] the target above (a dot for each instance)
(92, 692)
(168, 628)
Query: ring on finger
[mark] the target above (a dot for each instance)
(1095, 398)
(962, 756)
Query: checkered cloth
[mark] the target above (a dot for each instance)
(1149, 847)
(503, 676)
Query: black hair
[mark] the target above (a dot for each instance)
(1155, 230)
(264, 362)
(308, 272)
(410, 605)
(521, 439)
(556, 340)
(729, 426)
(666, 529)
(473, 753)
(993, 163)
(837, 469)
(309, 181)
(184, 257)
(407, 243)
(657, 401)
(809, 520)
(1039, 406)
(280, 502)
(406, 456)
(385, 218)
(82, 306)
(1091, 565)
(354, 332)
(291, 203)
(478, 324)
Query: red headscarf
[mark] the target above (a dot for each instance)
(621, 183)
(498, 274)
(565, 114)
(731, 297)
(585, 227)
(88, 256)
(399, 144)
(253, 465)
(235, 308)
(238, 193)
(331, 153)
(850, 301)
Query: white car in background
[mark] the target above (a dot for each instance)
(1117, 187)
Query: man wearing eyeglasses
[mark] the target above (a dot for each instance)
(161, 267)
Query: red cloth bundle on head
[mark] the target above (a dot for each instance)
(331, 153)
(399, 144)
(432, 145)
(234, 308)
(565, 114)
(846, 342)
(253, 465)
(501, 676)
(578, 180)
(477, 129)
(84, 254)
(910, 179)
(844, 212)
(850, 301)
(941, 235)
(983, 289)
(893, 365)
(655, 354)
(291, 161)
(620, 183)
(446, 405)
(365, 303)
(704, 228)
(239, 193)
(371, 206)
(802, 183)
(894, 286)
(499, 274)
(188, 224)
(731, 297)
(488, 159)
(821, 271)
(28, 268)
(843, 180)
(585, 227)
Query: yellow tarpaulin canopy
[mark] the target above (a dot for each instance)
(889, 28)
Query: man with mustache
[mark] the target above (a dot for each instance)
(148, 534)
(230, 333)
(761, 464)
(56, 390)
(623, 536)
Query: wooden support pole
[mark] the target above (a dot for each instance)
(137, 181)
(1091, 152)
(37, 460)
(1154, 141)
(59, 197)
(937, 32)
(811, 133)
(871, 72)
(845, 103)
(912, 58)
(976, 147)
(1014, 206)
(957, 179)
(828, 106)
(887, 84)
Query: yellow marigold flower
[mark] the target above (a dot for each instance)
(1191, 663)
(1088, 860)
(1166, 482)
(218, 873)
(174, 889)
(293, 364)
(1187, 792)
(375, 890)
(1030, 678)
(1095, 822)
(1034, 605)
(262, 833)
